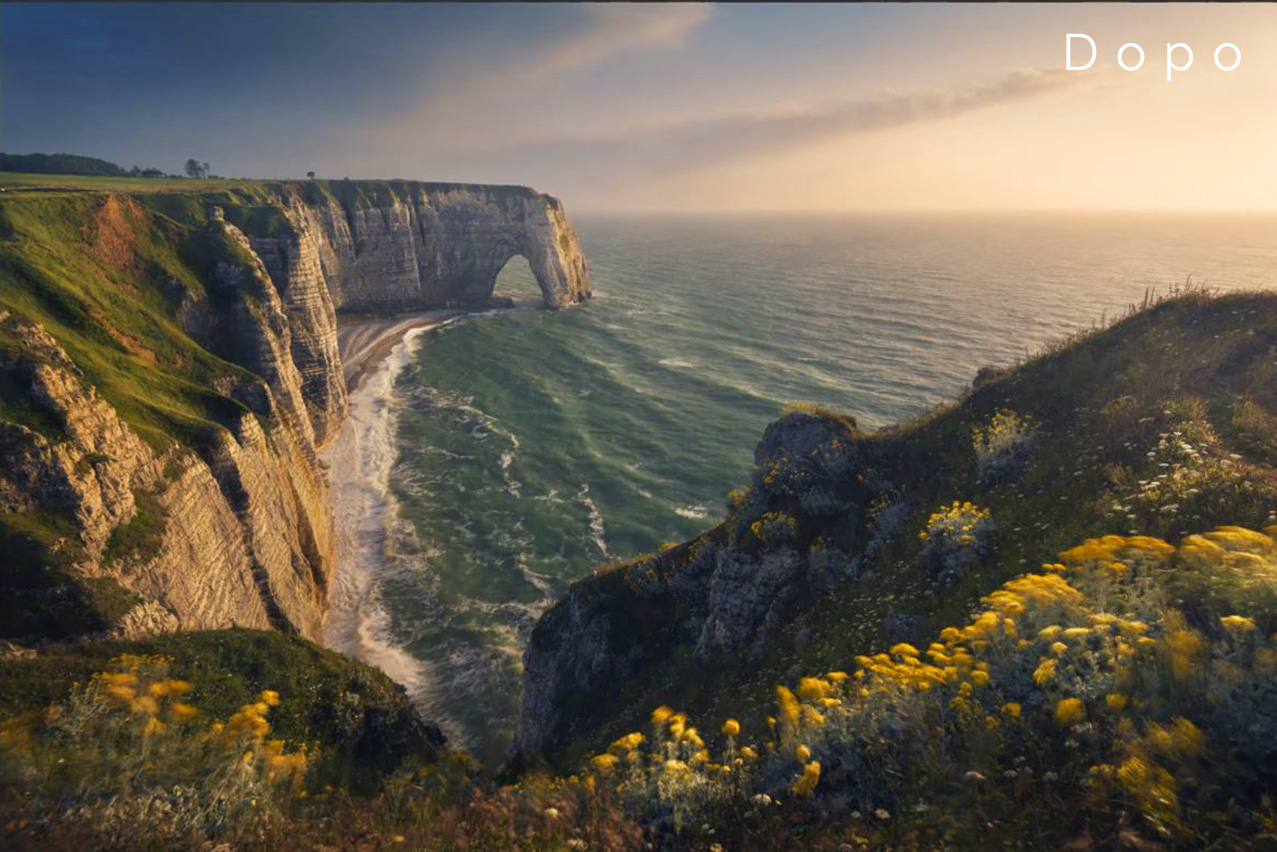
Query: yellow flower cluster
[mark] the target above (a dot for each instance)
(1005, 431)
(774, 526)
(959, 523)
(140, 686)
(1092, 639)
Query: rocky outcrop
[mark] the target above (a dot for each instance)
(238, 537)
(725, 593)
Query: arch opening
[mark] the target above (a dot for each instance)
(516, 284)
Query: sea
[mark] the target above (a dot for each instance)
(490, 462)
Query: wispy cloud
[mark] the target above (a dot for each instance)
(592, 34)
(715, 140)
(612, 30)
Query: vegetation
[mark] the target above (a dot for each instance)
(69, 164)
(58, 164)
(195, 169)
(1121, 697)
(1108, 409)
(1125, 693)
(154, 751)
(350, 713)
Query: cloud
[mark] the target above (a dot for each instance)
(591, 35)
(691, 144)
(612, 30)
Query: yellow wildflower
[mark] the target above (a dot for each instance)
(1069, 710)
(811, 688)
(810, 778)
(731, 727)
(1238, 623)
(603, 762)
(1044, 672)
(146, 704)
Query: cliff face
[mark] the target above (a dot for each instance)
(167, 383)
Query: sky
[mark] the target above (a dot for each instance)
(683, 107)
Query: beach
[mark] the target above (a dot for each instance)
(365, 343)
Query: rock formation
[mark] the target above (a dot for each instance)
(138, 535)
(409, 246)
(717, 594)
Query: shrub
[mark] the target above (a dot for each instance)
(1185, 481)
(1002, 446)
(956, 537)
(128, 753)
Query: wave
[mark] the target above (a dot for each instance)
(360, 460)
(597, 533)
(695, 513)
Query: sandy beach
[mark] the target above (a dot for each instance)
(365, 343)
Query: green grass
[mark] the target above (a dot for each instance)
(25, 182)
(143, 533)
(346, 707)
(1192, 362)
(115, 310)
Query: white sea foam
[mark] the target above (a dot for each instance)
(693, 512)
(675, 362)
(597, 534)
(360, 460)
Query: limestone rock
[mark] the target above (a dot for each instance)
(435, 245)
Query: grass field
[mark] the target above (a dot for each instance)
(24, 182)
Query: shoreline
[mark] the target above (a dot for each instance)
(374, 351)
(359, 461)
(365, 344)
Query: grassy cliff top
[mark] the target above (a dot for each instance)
(364, 192)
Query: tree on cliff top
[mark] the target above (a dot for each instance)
(194, 168)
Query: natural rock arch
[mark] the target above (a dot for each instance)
(429, 245)
(516, 280)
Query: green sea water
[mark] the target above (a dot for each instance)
(510, 453)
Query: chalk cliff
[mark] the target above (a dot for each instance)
(168, 380)
(414, 245)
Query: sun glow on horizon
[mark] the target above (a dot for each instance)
(673, 108)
